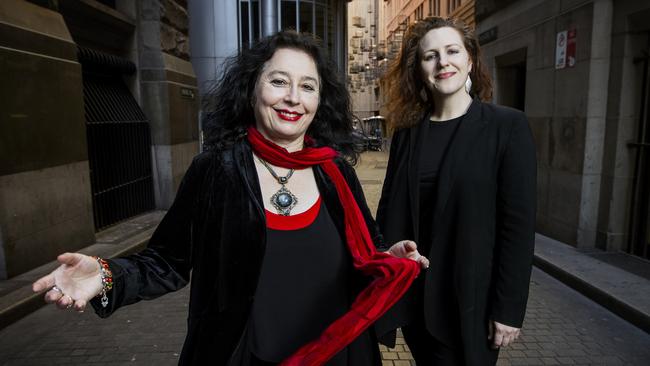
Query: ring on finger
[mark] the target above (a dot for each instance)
(55, 288)
(71, 302)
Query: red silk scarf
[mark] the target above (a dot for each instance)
(392, 275)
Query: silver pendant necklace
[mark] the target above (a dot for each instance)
(283, 200)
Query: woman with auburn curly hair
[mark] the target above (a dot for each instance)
(461, 183)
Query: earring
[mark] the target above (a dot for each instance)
(468, 84)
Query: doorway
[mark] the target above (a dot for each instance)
(511, 79)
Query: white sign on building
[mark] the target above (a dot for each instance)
(560, 50)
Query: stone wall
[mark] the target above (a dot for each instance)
(630, 39)
(45, 189)
(174, 28)
(583, 117)
(559, 106)
(45, 199)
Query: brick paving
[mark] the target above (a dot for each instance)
(562, 327)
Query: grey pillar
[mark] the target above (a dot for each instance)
(596, 117)
(214, 36)
(269, 12)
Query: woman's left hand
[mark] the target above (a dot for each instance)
(502, 335)
(408, 249)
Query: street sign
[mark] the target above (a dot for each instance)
(571, 48)
(565, 49)
(560, 50)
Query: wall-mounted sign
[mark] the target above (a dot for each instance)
(187, 93)
(571, 48)
(487, 36)
(560, 49)
(565, 49)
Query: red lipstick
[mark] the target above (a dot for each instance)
(288, 116)
(445, 75)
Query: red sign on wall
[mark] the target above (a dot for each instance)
(571, 48)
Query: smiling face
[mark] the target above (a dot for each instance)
(287, 94)
(444, 62)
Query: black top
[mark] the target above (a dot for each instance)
(436, 143)
(434, 147)
(303, 288)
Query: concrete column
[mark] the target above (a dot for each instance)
(597, 89)
(214, 36)
(269, 12)
(169, 95)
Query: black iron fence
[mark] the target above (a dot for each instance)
(119, 141)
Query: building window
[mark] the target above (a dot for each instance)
(249, 22)
(453, 4)
(419, 12)
(434, 8)
(317, 17)
(288, 14)
(306, 17)
(310, 16)
(321, 21)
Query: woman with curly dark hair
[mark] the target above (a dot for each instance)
(270, 221)
(461, 183)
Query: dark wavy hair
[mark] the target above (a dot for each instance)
(228, 109)
(405, 86)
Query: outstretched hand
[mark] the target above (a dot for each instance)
(75, 282)
(408, 249)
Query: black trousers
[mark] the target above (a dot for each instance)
(429, 351)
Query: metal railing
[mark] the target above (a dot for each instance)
(119, 141)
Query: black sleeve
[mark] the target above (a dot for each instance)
(516, 205)
(165, 264)
(386, 189)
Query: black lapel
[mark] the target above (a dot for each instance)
(242, 162)
(470, 128)
(330, 197)
(243, 156)
(417, 136)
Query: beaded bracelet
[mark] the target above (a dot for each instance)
(107, 280)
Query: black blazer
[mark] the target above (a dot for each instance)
(216, 230)
(485, 209)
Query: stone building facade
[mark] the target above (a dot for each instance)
(99, 119)
(579, 69)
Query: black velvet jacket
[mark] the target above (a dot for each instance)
(216, 231)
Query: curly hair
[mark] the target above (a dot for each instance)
(406, 89)
(228, 108)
